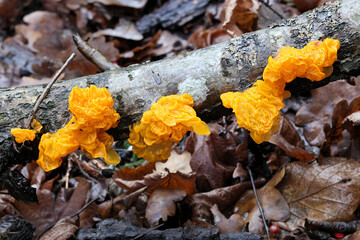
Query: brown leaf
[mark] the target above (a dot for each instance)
(47, 212)
(214, 157)
(288, 139)
(272, 201)
(314, 115)
(7, 205)
(176, 180)
(227, 225)
(175, 173)
(223, 197)
(161, 204)
(334, 134)
(205, 37)
(325, 191)
(64, 229)
(124, 29)
(239, 16)
(352, 125)
(122, 3)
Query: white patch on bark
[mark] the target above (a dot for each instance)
(195, 87)
(350, 10)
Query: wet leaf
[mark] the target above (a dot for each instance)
(325, 191)
(352, 124)
(161, 204)
(272, 201)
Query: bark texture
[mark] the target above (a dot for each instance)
(205, 74)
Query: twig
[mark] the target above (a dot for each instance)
(269, 7)
(93, 55)
(151, 229)
(84, 207)
(47, 90)
(259, 204)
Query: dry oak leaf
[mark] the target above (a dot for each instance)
(273, 203)
(161, 204)
(314, 115)
(324, 191)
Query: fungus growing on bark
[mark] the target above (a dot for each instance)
(168, 120)
(26, 134)
(93, 114)
(258, 108)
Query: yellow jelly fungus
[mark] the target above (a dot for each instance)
(168, 120)
(93, 114)
(258, 108)
(26, 134)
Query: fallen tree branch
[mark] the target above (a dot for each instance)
(206, 73)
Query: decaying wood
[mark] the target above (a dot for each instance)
(206, 73)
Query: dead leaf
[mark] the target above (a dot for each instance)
(7, 205)
(223, 197)
(288, 139)
(48, 211)
(325, 191)
(176, 162)
(334, 141)
(274, 205)
(122, 3)
(161, 204)
(124, 29)
(239, 16)
(176, 180)
(214, 157)
(175, 173)
(227, 225)
(352, 124)
(314, 115)
(205, 37)
(64, 229)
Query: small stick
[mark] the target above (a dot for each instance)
(151, 229)
(47, 90)
(259, 204)
(93, 55)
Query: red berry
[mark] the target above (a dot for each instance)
(338, 235)
(274, 229)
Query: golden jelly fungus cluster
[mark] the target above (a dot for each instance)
(164, 124)
(93, 114)
(26, 134)
(258, 108)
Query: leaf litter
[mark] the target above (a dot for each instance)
(206, 184)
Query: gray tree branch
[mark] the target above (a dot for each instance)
(205, 73)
